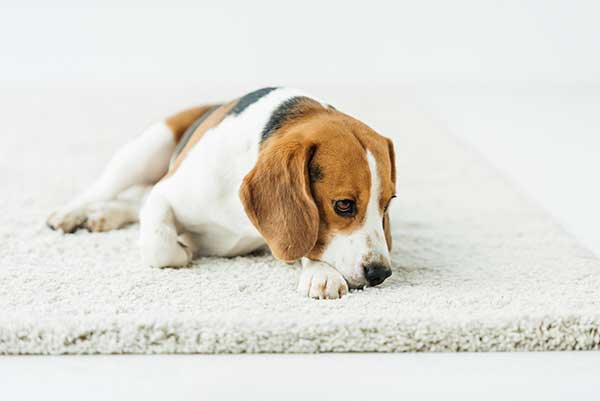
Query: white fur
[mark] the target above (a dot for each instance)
(350, 252)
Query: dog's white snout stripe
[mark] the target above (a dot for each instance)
(374, 218)
(349, 253)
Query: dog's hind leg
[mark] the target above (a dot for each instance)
(116, 213)
(143, 161)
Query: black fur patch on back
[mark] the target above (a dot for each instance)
(286, 111)
(248, 99)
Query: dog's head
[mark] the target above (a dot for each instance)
(321, 189)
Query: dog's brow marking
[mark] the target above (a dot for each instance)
(250, 98)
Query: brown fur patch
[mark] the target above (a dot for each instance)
(212, 121)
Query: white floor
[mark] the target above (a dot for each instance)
(542, 376)
(547, 140)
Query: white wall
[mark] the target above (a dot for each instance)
(336, 42)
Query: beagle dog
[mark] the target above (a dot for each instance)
(273, 167)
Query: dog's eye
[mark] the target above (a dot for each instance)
(345, 207)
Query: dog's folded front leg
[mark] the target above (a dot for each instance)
(159, 242)
(320, 280)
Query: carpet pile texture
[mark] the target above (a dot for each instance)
(477, 267)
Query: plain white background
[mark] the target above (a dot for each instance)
(327, 42)
(518, 80)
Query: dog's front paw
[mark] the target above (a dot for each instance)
(67, 221)
(321, 281)
(168, 255)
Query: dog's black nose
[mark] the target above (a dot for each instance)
(376, 273)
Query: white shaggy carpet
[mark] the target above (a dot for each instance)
(477, 266)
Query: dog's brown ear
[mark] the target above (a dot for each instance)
(392, 154)
(387, 230)
(277, 198)
(386, 217)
